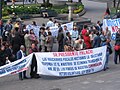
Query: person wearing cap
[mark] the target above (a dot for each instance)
(75, 33)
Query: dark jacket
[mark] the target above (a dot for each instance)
(117, 39)
(97, 42)
(60, 38)
(19, 55)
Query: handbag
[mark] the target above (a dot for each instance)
(117, 47)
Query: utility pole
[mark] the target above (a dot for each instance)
(0, 9)
(1, 28)
(117, 6)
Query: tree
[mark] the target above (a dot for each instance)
(46, 3)
(117, 6)
(114, 3)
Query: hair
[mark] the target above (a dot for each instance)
(22, 46)
(67, 33)
(43, 24)
(97, 33)
(98, 21)
(42, 28)
(26, 32)
(49, 33)
(16, 28)
(60, 29)
(85, 26)
(50, 19)
(47, 28)
(34, 22)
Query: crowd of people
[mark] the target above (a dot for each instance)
(16, 41)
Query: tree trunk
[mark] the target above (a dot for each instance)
(44, 1)
(48, 1)
(117, 6)
(114, 3)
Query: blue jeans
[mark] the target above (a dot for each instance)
(107, 60)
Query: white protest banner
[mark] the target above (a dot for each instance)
(113, 25)
(69, 25)
(36, 29)
(54, 31)
(16, 67)
(71, 63)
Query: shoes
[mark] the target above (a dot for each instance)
(36, 76)
(20, 78)
(105, 68)
(26, 77)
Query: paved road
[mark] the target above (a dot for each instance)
(104, 80)
(95, 10)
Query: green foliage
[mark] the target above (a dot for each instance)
(64, 9)
(19, 9)
(35, 9)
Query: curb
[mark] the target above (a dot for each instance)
(82, 13)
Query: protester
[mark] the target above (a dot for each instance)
(97, 40)
(92, 36)
(79, 45)
(68, 42)
(50, 23)
(107, 33)
(21, 54)
(60, 39)
(33, 71)
(108, 52)
(87, 41)
(49, 42)
(98, 26)
(32, 37)
(16, 43)
(9, 52)
(27, 41)
(75, 33)
(84, 31)
(117, 47)
(8, 27)
(3, 56)
(65, 30)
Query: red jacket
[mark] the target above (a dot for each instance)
(87, 42)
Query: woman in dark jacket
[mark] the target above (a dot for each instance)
(3, 56)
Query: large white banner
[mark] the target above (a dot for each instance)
(36, 29)
(113, 25)
(16, 67)
(71, 63)
(54, 30)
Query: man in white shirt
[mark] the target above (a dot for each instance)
(50, 23)
(75, 33)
